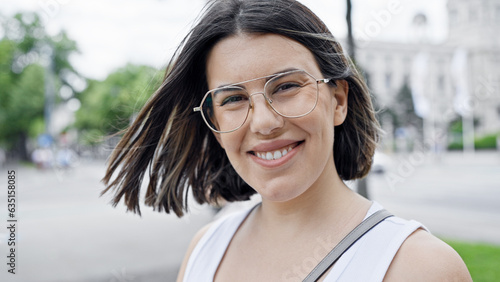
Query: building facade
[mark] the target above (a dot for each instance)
(457, 78)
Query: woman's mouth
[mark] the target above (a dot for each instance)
(275, 154)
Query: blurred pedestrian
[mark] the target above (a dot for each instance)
(43, 158)
(65, 157)
(260, 97)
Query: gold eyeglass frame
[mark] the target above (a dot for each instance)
(269, 101)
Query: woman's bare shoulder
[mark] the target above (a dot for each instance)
(190, 249)
(423, 257)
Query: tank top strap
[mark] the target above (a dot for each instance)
(370, 257)
(209, 251)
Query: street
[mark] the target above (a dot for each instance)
(66, 232)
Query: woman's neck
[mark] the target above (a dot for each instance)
(329, 200)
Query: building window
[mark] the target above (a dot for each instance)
(453, 16)
(473, 15)
(388, 80)
(440, 82)
(407, 63)
(388, 59)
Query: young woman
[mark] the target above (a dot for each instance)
(261, 98)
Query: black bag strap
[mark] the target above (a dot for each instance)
(346, 243)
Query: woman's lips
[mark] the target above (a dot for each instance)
(276, 157)
(275, 154)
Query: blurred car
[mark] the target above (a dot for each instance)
(381, 162)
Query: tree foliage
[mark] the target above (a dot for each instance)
(24, 49)
(405, 109)
(109, 105)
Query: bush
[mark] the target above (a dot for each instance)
(486, 142)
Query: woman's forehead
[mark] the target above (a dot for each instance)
(244, 57)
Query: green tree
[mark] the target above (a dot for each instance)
(108, 105)
(25, 104)
(23, 55)
(7, 49)
(405, 109)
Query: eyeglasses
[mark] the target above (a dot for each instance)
(290, 94)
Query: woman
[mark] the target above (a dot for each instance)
(261, 98)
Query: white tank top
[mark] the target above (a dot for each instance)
(367, 260)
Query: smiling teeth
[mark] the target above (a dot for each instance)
(275, 155)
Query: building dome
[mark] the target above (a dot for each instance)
(420, 19)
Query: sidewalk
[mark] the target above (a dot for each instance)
(457, 197)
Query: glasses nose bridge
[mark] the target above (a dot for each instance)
(251, 99)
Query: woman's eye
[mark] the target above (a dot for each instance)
(233, 99)
(286, 87)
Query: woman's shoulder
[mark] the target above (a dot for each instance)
(424, 257)
(190, 249)
(223, 225)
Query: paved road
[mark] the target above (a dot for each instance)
(67, 233)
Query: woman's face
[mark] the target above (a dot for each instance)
(308, 140)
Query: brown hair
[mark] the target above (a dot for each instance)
(179, 151)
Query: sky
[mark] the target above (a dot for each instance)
(111, 33)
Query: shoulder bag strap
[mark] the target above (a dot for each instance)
(346, 243)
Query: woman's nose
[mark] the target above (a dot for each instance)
(263, 118)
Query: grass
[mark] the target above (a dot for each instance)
(482, 260)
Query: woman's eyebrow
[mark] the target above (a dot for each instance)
(253, 79)
(225, 88)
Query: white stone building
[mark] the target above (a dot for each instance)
(474, 28)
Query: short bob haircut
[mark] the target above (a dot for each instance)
(179, 151)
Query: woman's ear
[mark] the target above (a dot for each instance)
(341, 95)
